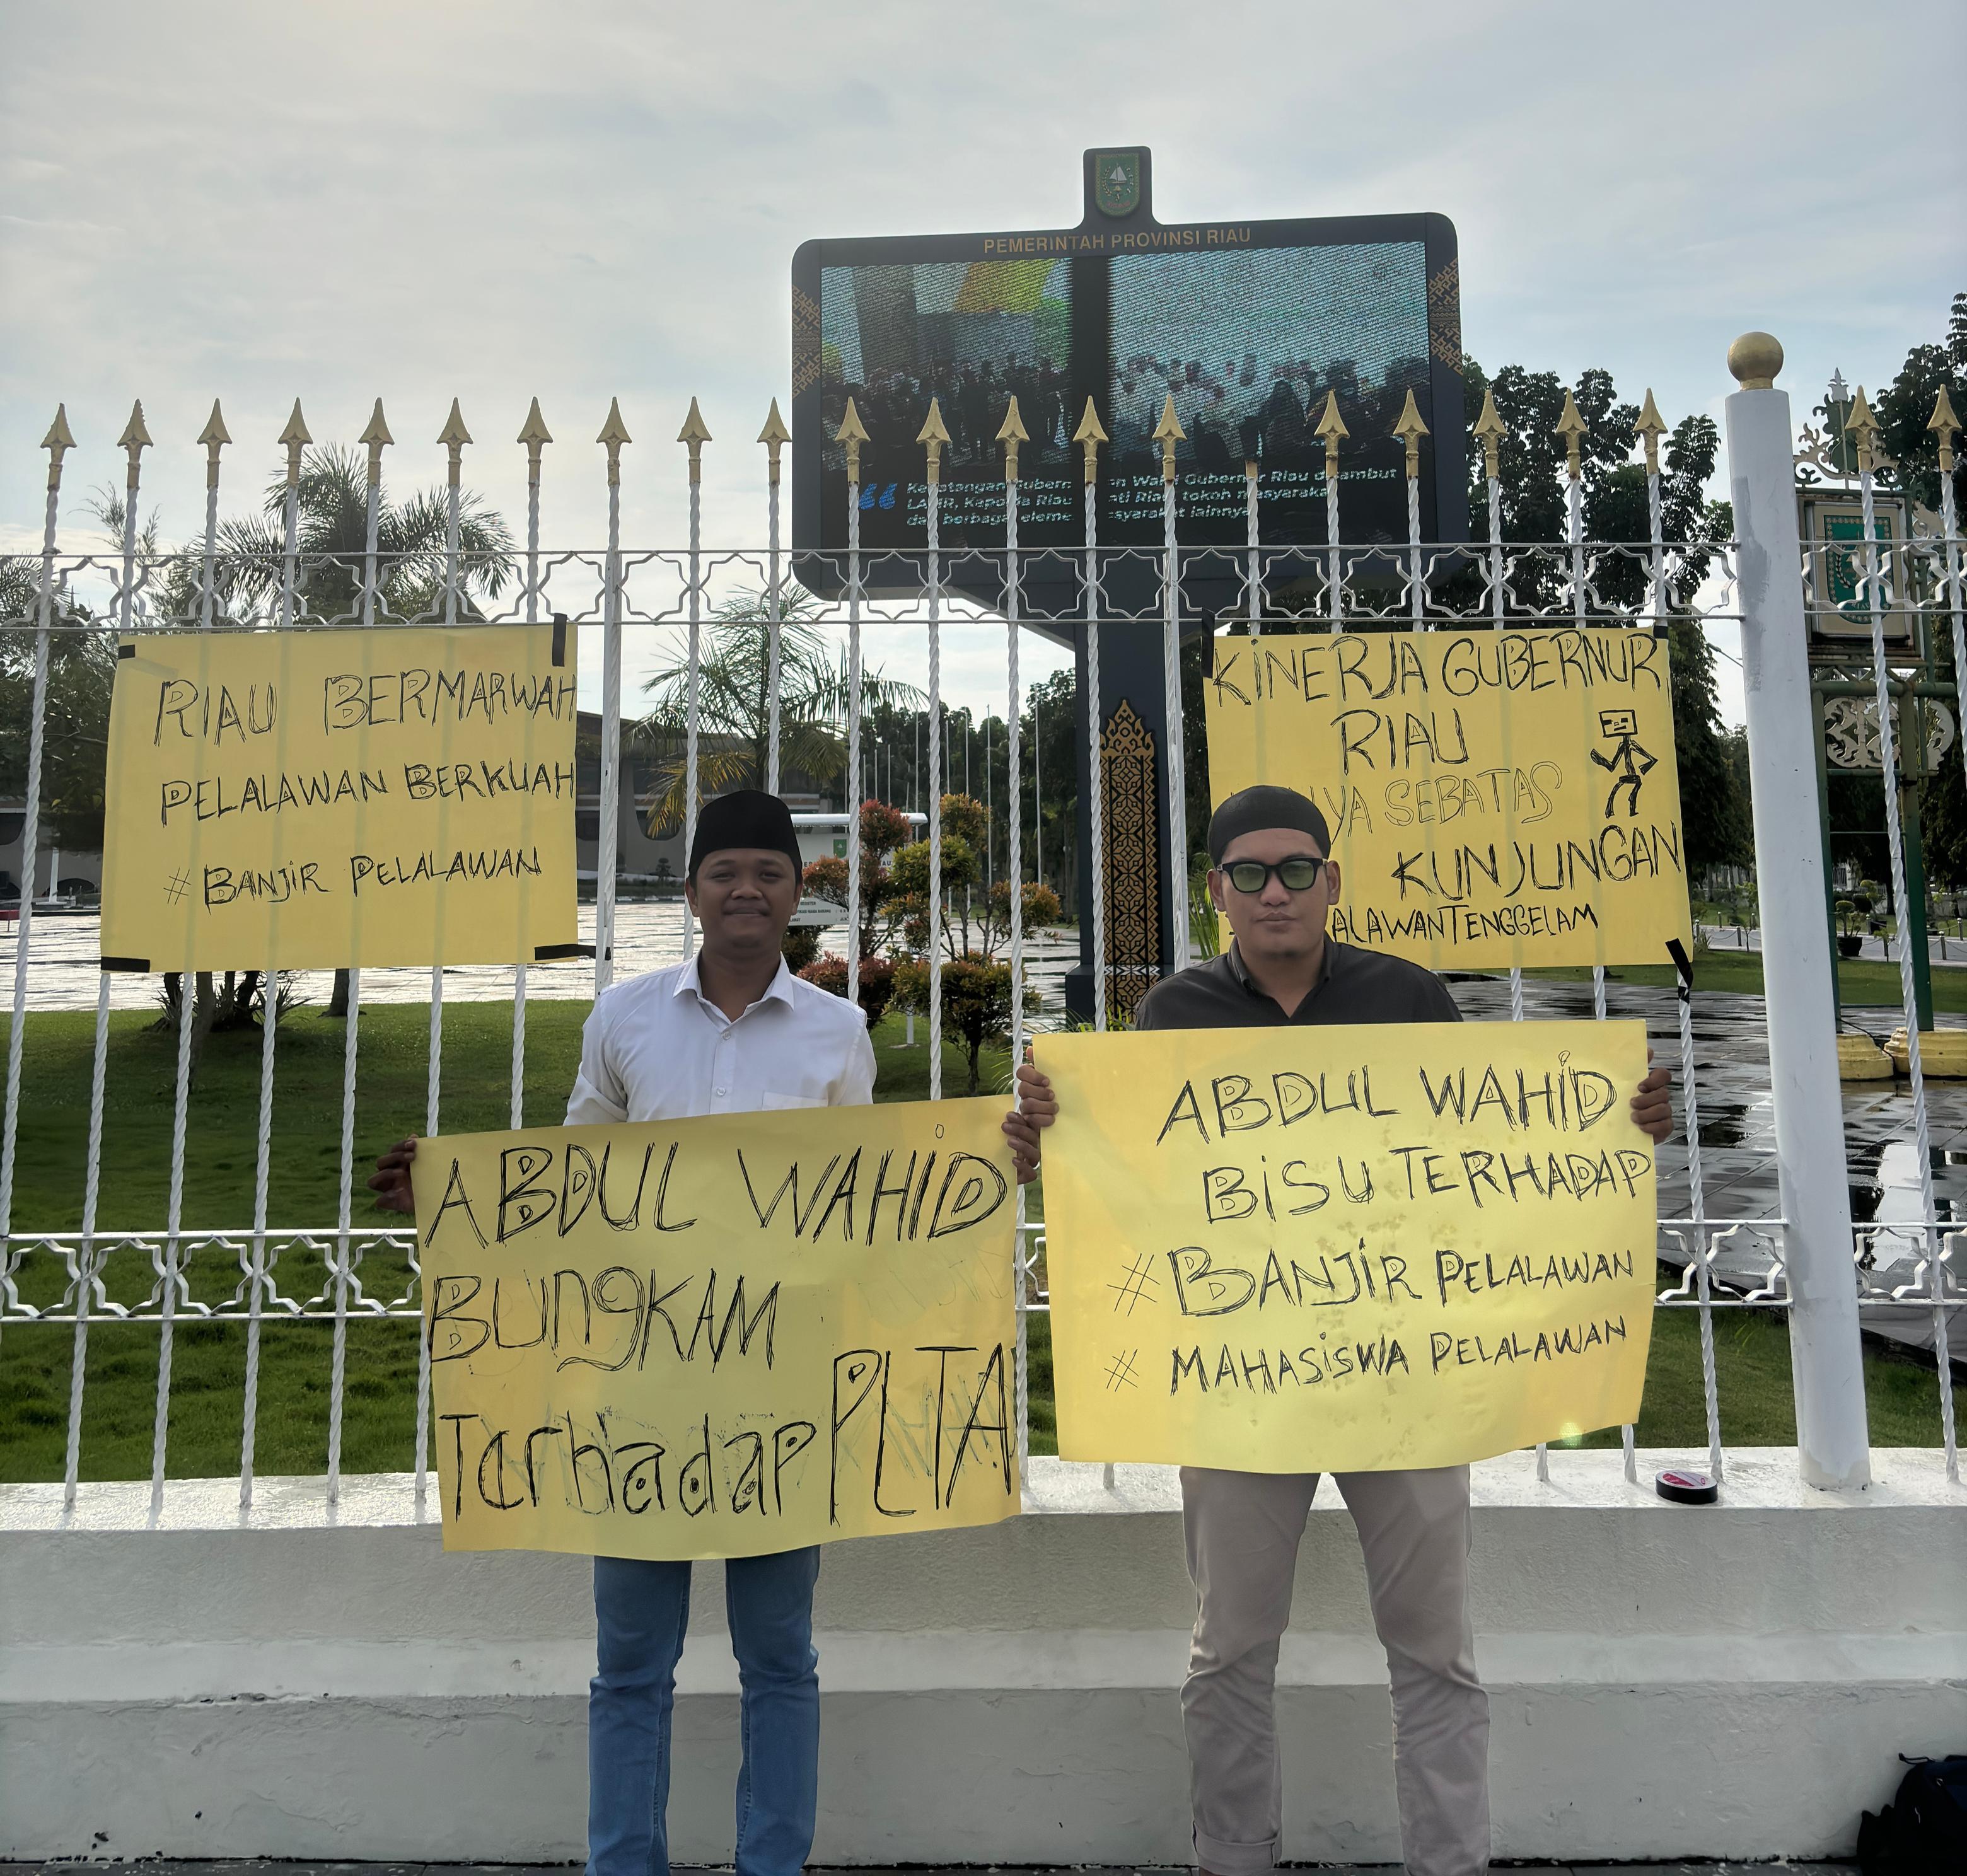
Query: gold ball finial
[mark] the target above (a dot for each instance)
(1754, 359)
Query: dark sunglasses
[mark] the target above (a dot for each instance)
(1299, 873)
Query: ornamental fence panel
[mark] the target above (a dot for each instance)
(258, 1278)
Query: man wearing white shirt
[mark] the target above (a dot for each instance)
(730, 1031)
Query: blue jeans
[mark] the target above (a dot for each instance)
(641, 1612)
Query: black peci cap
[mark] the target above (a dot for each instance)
(748, 817)
(1264, 806)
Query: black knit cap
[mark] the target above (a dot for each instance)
(748, 817)
(1251, 809)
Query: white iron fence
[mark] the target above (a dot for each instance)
(266, 1276)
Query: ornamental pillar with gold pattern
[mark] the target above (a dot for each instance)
(1125, 908)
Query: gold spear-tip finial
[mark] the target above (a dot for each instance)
(296, 438)
(59, 437)
(775, 436)
(1089, 436)
(850, 436)
(375, 435)
(1331, 427)
(534, 434)
(1862, 426)
(614, 434)
(932, 436)
(1168, 433)
(695, 433)
(135, 439)
(1011, 432)
(1570, 426)
(135, 436)
(215, 436)
(1652, 427)
(1410, 429)
(1947, 427)
(1489, 430)
(453, 437)
(614, 431)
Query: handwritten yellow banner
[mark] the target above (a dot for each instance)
(722, 1337)
(309, 799)
(1494, 798)
(1346, 1249)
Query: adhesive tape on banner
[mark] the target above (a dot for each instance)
(1687, 1487)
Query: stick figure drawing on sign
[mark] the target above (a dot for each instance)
(1629, 764)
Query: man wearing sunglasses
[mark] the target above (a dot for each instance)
(1271, 880)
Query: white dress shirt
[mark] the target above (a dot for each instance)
(655, 1047)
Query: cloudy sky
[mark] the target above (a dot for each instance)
(494, 201)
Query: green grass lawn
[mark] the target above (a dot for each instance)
(208, 1359)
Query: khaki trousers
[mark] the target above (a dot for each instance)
(1242, 1530)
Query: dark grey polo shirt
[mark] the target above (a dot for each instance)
(1353, 986)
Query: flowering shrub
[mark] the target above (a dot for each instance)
(877, 982)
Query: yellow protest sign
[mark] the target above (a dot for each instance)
(305, 800)
(1494, 798)
(1345, 1249)
(722, 1337)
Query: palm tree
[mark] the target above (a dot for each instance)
(735, 702)
(331, 537)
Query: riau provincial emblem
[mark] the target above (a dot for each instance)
(1116, 178)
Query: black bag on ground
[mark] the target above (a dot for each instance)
(1923, 1831)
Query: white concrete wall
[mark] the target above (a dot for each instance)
(1666, 1680)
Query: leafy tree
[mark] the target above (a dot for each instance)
(1905, 409)
(972, 929)
(1714, 812)
(1049, 742)
(972, 923)
(735, 702)
(976, 1002)
(884, 829)
(81, 674)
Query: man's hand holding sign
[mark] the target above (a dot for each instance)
(1335, 1244)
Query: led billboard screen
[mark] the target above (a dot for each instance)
(1247, 325)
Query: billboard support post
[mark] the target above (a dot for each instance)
(1167, 434)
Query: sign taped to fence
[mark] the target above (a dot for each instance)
(310, 800)
(1494, 798)
(724, 1336)
(1346, 1249)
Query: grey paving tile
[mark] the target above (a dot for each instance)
(1732, 1866)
